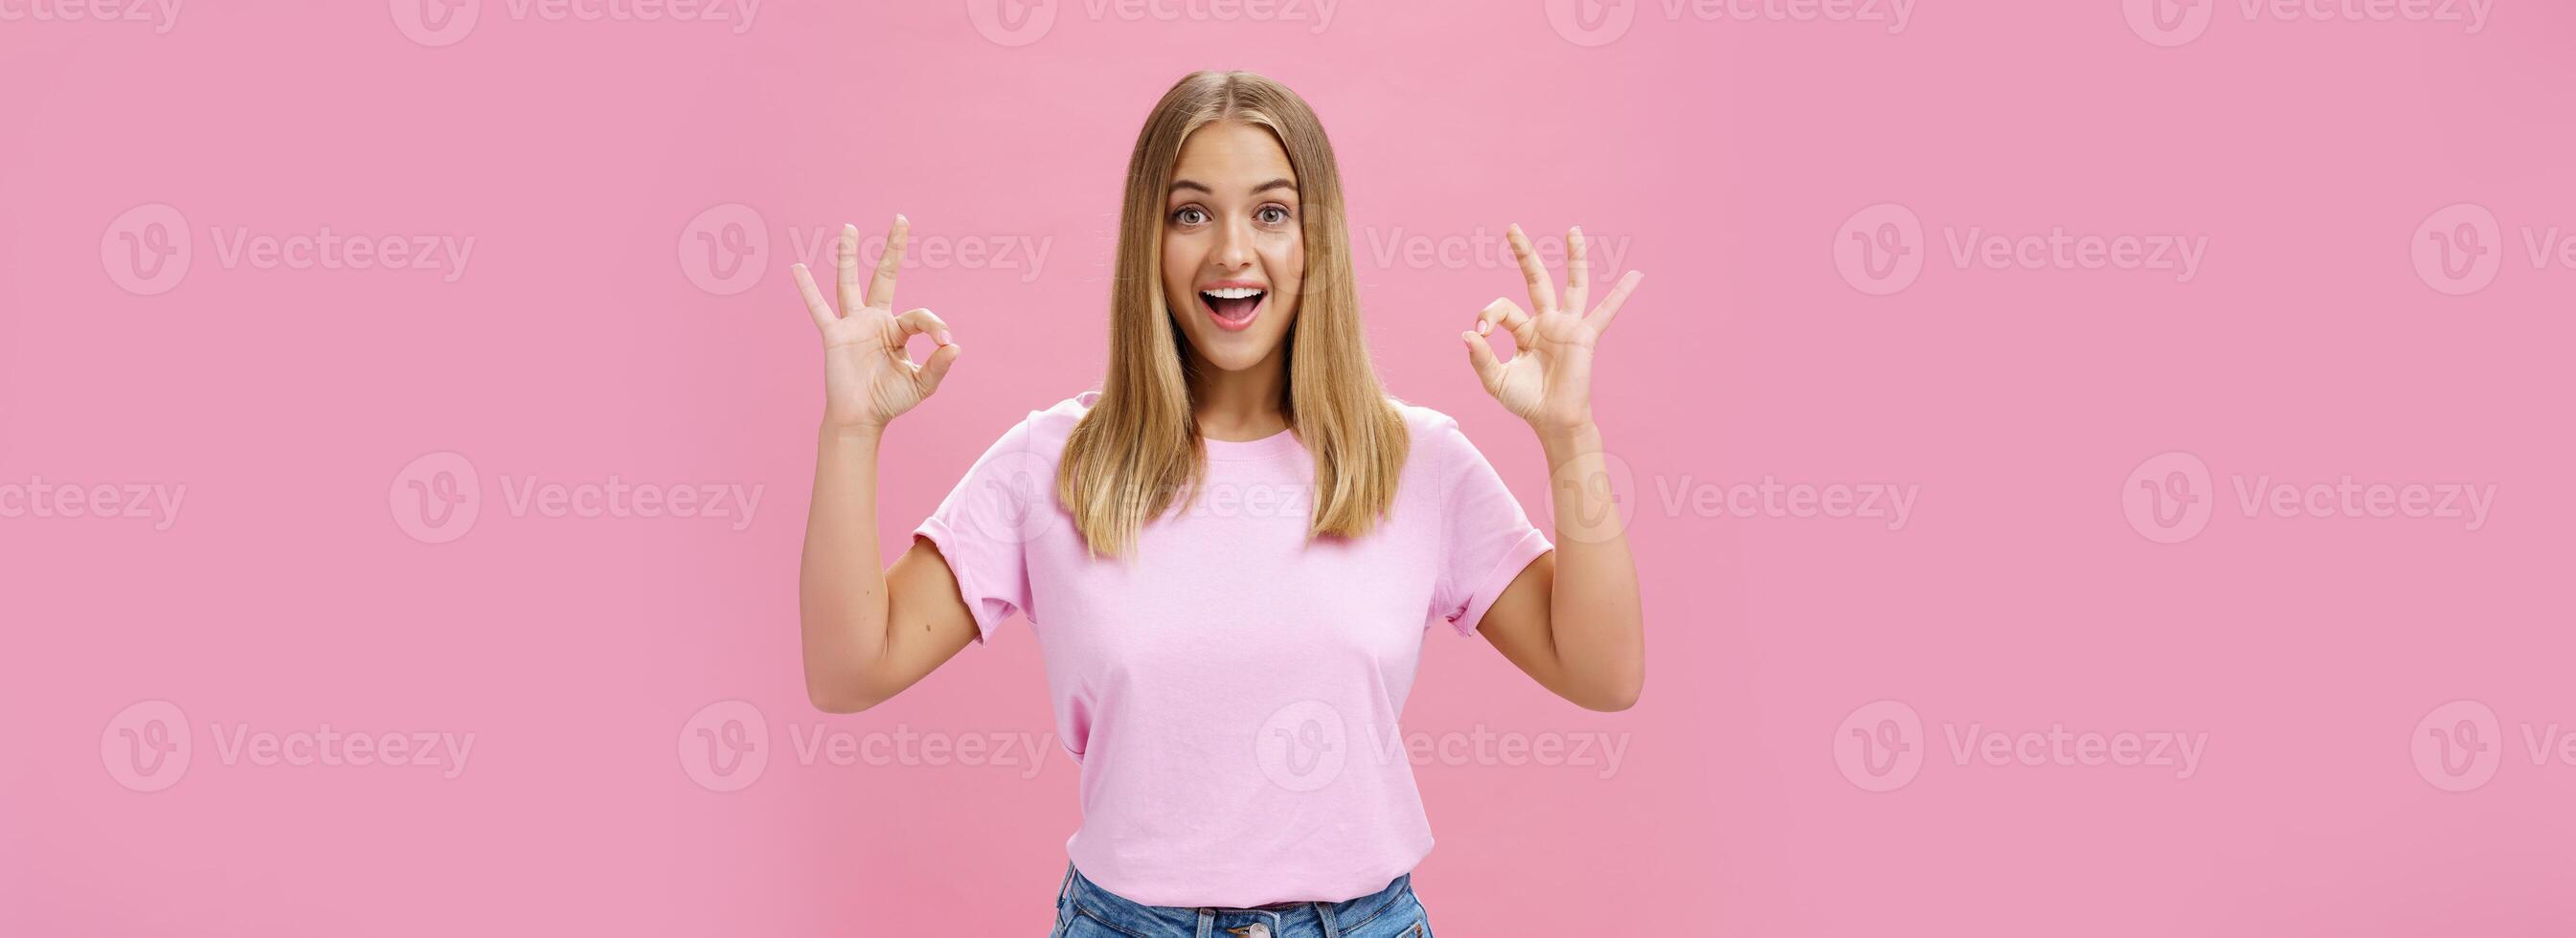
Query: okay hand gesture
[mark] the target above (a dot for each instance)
(1548, 382)
(868, 378)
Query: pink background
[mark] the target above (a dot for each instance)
(293, 588)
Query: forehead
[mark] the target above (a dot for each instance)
(1232, 151)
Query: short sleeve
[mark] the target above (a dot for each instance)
(1486, 539)
(983, 527)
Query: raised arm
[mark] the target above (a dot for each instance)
(1572, 618)
(869, 632)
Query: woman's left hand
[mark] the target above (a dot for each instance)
(1548, 382)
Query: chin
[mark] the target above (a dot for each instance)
(1226, 358)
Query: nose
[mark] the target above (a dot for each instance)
(1234, 247)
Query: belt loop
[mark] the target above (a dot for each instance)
(1324, 914)
(1207, 924)
(1067, 889)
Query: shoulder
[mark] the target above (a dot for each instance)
(1439, 445)
(1042, 433)
(1431, 429)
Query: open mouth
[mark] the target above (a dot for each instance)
(1233, 308)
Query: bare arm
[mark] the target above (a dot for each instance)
(869, 632)
(1572, 619)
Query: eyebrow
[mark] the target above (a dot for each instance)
(1281, 183)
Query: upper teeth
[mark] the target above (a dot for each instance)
(1234, 293)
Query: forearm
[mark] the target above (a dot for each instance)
(1594, 615)
(842, 595)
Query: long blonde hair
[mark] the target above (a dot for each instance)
(1138, 449)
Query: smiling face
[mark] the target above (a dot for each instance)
(1234, 248)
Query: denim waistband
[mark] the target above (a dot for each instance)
(1329, 919)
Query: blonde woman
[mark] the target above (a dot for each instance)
(1230, 552)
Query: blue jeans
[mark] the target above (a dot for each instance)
(1084, 910)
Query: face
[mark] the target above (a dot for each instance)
(1234, 248)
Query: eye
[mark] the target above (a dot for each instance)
(1273, 214)
(1190, 215)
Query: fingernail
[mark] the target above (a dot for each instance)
(899, 219)
(1485, 327)
(941, 336)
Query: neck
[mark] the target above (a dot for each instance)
(1240, 405)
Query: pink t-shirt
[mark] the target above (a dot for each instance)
(1232, 697)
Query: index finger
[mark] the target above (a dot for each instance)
(881, 287)
(1542, 290)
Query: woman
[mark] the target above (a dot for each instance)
(1230, 551)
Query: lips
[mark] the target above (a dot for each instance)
(1233, 307)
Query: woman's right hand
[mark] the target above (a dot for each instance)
(868, 379)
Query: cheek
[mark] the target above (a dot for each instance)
(1288, 272)
(1288, 262)
(1178, 265)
